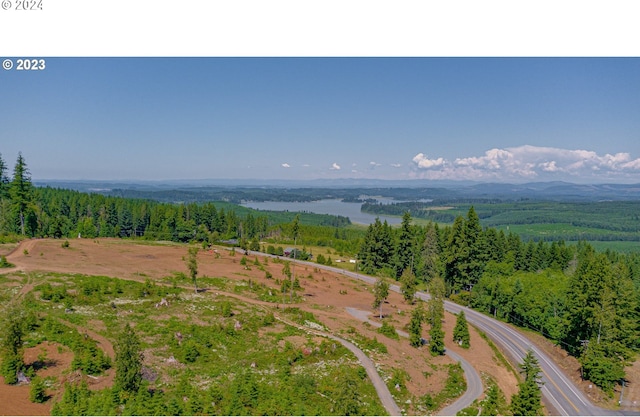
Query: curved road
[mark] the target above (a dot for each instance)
(559, 393)
(381, 388)
(474, 382)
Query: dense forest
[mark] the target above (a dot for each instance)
(584, 300)
(31, 211)
(588, 302)
(595, 220)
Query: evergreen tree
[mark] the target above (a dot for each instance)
(415, 325)
(128, 361)
(494, 403)
(408, 285)
(429, 261)
(477, 256)
(192, 265)
(435, 308)
(295, 231)
(602, 305)
(405, 246)
(347, 399)
(376, 251)
(527, 401)
(4, 179)
(461, 331)
(37, 391)
(4, 197)
(600, 366)
(436, 339)
(455, 257)
(11, 342)
(21, 191)
(380, 293)
(435, 305)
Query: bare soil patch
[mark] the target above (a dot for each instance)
(326, 294)
(15, 398)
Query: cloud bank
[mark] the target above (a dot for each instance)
(530, 163)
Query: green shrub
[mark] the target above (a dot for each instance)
(388, 330)
(37, 391)
(4, 263)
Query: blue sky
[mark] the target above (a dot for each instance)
(492, 119)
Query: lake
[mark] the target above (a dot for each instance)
(329, 206)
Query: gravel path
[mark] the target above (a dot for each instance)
(381, 388)
(474, 383)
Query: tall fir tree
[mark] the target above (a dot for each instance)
(11, 342)
(455, 256)
(408, 285)
(429, 260)
(461, 331)
(21, 191)
(415, 325)
(435, 312)
(528, 400)
(128, 361)
(380, 293)
(192, 265)
(4, 197)
(4, 179)
(404, 250)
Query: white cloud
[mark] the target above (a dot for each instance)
(335, 167)
(425, 163)
(529, 162)
(396, 165)
(285, 165)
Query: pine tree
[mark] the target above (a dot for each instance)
(455, 257)
(380, 293)
(347, 399)
(415, 325)
(527, 401)
(408, 285)
(436, 339)
(37, 391)
(4, 179)
(192, 265)
(494, 403)
(435, 311)
(429, 261)
(461, 331)
(11, 346)
(295, 231)
(404, 247)
(21, 191)
(128, 361)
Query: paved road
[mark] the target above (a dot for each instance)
(474, 382)
(381, 388)
(559, 393)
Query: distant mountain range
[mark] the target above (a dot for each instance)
(399, 189)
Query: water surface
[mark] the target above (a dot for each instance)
(328, 206)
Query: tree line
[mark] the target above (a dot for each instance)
(26, 210)
(586, 301)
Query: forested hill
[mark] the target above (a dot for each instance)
(438, 191)
(588, 302)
